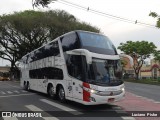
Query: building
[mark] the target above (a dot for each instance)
(128, 70)
(150, 71)
(4, 69)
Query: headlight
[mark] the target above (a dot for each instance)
(123, 89)
(92, 91)
(89, 90)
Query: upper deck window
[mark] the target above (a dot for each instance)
(97, 43)
(70, 42)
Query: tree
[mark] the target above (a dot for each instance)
(157, 56)
(25, 31)
(155, 15)
(139, 51)
(43, 3)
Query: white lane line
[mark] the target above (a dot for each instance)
(9, 92)
(24, 91)
(120, 111)
(13, 85)
(128, 118)
(70, 110)
(151, 100)
(10, 118)
(117, 108)
(16, 91)
(3, 93)
(34, 108)
(156, 102)
(17, 95)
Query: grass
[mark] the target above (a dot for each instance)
(145, 81)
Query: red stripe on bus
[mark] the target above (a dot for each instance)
(86, 94)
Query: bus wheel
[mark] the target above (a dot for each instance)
(51, 92)
(61, 94)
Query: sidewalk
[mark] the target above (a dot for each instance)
(133, 102)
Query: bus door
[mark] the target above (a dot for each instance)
(69, 88)
(77, 89)
(74, 89)
(74, 67)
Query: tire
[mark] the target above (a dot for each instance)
(51, 92)
(61, 94)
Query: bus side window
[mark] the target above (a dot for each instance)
(75, 66)
(70, 42)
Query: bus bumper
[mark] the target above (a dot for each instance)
(96, 99)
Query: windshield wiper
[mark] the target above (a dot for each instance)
(91, 81)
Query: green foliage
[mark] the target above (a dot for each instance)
(157, 55)
(139, 51)
(25, 31)
(139, 48)
(43, 3)
(155, 15)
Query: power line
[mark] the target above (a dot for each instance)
(105, 14)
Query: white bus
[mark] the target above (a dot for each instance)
(79, 66)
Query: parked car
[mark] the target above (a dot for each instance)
(4, 77)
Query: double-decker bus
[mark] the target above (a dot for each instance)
(79, 66)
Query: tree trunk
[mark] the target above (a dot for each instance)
(137, 75)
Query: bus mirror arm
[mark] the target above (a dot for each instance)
(82, 52)
(129, 57)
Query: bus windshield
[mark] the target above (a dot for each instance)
(97, 43)
(105, 72)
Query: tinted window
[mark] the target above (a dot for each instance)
(97, 43)
(48, 72)
(75, 66)
(48, 50)
(105, 72)
(70, 42)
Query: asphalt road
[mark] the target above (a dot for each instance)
(145, 90)
(13, 98)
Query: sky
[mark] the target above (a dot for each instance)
(118, 31)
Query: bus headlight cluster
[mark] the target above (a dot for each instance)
(90, 90)
(123, 89)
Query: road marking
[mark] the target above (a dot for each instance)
(34, 108)
(3, 92)
(117, 108)
(13, 85)
(120, 111)
(10, 118)
(16, 91)
(151, 100)
(70, 110)
(24, 91)
(156, 102)
(128, 118)
(9, 92)
(17, 95)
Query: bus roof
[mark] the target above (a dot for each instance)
(77, 31)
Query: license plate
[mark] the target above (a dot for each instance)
(111, 100)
